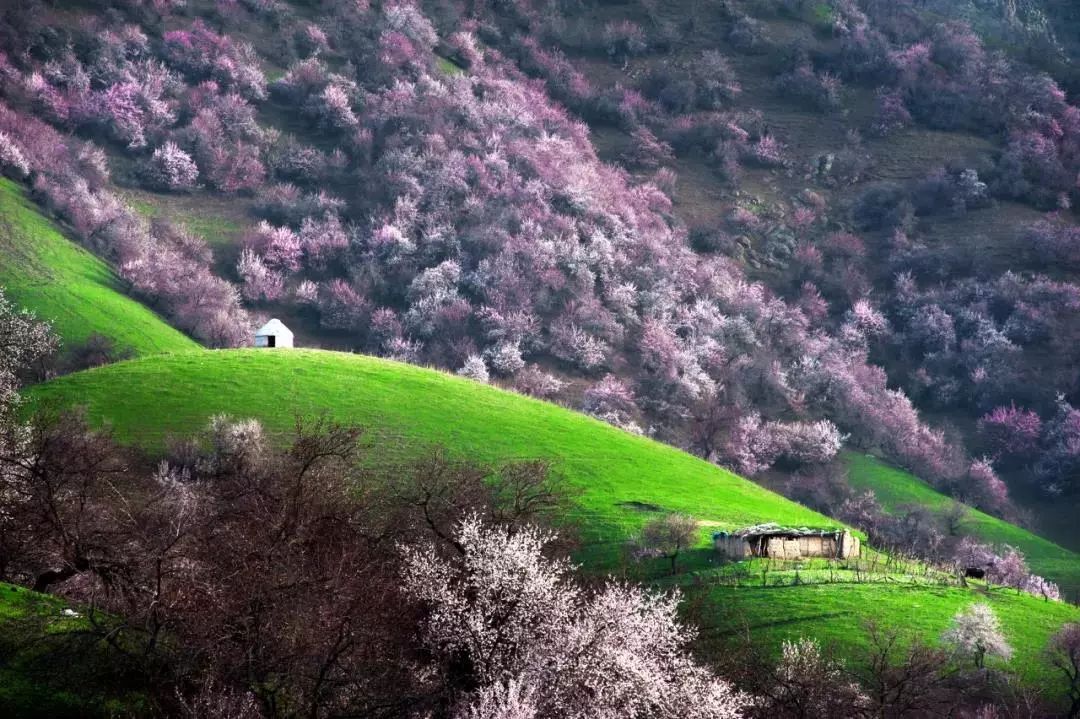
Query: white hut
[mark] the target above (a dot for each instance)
(274, 334)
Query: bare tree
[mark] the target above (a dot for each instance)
(954, 516)
(431, 494)
(1064, 653)
(905, 677)
(60, 516)
(668, 536)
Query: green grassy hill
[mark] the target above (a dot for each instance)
(621, 477)
(43, 271)
(407, 410)
(896, 489)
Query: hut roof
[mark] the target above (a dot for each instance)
(275, 328)
(773, 529)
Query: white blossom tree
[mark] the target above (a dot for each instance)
(807, 683)
(23, 340)
(515, 638)
(475, 369)
(975, 633)
(172, 169)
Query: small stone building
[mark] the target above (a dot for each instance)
(772, 540)
(274, 334)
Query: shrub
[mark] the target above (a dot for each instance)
(748, 35)
(170, 168)
(536, 383)
(890, 113)
(475, 369)
(768, 152)
(820, 90)
(624, 39)
(505, 358)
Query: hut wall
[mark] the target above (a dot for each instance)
(841, 545)
(783, 548)
(849, 545)
(734, 547)
(817, 546)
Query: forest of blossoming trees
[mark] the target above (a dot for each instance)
(443, 218)
(461, 217)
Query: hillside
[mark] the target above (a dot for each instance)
(641, 190)
(896, 489)
(764, 230)
(406, 409)
(837, 614)
(80, 295)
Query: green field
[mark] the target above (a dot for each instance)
(622, 478)
(408, 410)
(896, 489)
(80, 295)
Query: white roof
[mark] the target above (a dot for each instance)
(275, 328)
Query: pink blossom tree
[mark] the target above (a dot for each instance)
(984, 488)
(611, 400)
(891, 114)
(1009, 569)
(261, 284)
(1010, 431)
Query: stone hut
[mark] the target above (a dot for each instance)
(772, 540)
(274, 334)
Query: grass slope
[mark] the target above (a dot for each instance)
(43, 271)
(896, 488)
(836, 614)
(409, 409)
(37, 678)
